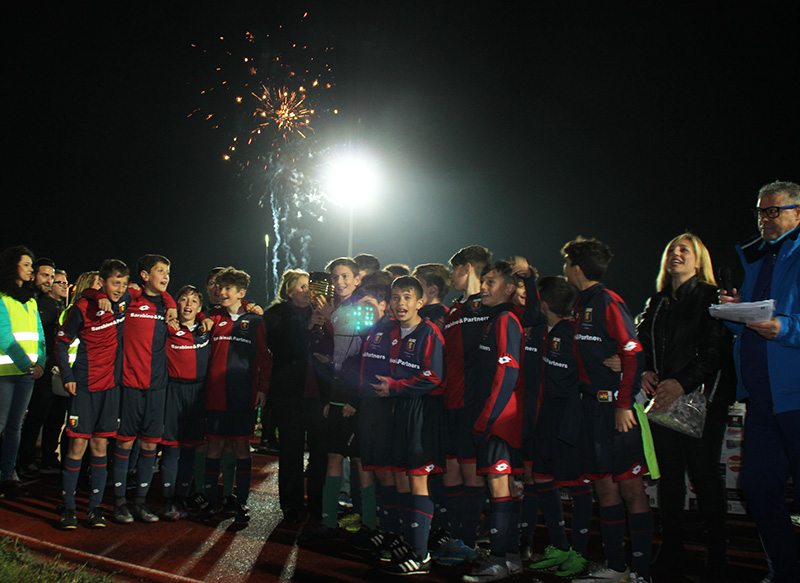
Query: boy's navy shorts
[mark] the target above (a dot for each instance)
(620, 455)
(553, 457)
(496, 456)
(459, 440)
(235, 425)
(418, 442)
(376, 420)
(93, 413)
(141, 414)
(341, 433)
(185, 413)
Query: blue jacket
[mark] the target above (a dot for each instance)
(783, 353)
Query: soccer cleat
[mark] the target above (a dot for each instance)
(513, 564)
(171, 511)
(526, 548)
(95, 518)
(367, 540)
(197, 501)
(318, 532)
(634, 578)
(350, 522)
(142, 512)
(553, 557)
(458, 553)
(242, 514)
(397, 550)
(575, 565)
(604, 575)
(230, 504)
(122, 514)
(209, 511)
(443, 549)
(67, 520)
(411, 564)
(493, 569)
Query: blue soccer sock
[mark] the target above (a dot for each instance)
(120, 471)
(501, 525)
(169, 469)
(211, 479)
(472, 508)
(390, 520)
(641, 529)
(436, 493)
(582, 506)
(450, 508)
(512, 545)
(145, 466)
(70, 471)
(612, 531)
(420, 518)
(404, 502)
(530, 510)
(99, 465)
(553, 510)
(244, 477)
(185, 472)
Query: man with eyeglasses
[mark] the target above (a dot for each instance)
(767, 356)
(60, 289)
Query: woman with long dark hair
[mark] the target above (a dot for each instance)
(685, 348)
(22, 355)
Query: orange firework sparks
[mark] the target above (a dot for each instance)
(284, 109)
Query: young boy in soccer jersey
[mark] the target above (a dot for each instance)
(417, 370)
(188, 349)
(558, 448)
(144, 385)
(498, 428)
(236, 384)
(435, 280)
(464, 489)
(94, 385)
(605, 327)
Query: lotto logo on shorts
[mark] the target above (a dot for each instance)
(501, 467)
(429, 468)
(73, 421)
(637, 469)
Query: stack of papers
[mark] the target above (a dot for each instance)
(744, 312)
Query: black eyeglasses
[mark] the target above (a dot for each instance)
(61, 282)
(772, 211)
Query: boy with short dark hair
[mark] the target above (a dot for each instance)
(605, 327)
(417, 370)
(435, 280)
(188, 350)
(144, 385)
(93, 382)
(237, 382)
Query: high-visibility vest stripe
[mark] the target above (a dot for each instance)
(24, 319)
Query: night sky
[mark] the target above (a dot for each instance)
(515, 125)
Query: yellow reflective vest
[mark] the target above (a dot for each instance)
(21, 337)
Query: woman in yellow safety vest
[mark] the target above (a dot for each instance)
(22, 355)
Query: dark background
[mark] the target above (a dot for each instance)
(515, 125)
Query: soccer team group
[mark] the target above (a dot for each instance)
(522, 380)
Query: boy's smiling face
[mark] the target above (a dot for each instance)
(495, 290)
(344, 281)
(157, 280)
(406, 305)
(114, 287)
(230, 296)
(188, 308)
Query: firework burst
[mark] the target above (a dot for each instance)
(284, 110)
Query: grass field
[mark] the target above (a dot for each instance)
(18, 564)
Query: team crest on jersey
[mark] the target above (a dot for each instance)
(122, 306)
(412, 342)
(556, 344)
(378, 337)
(73, 421)
(587, 315)
(476, 304)
(244, 325)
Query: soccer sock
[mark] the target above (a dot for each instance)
(450, 506)
(369, 507)
(244, 476)
(355, 488)
(228, 473)
(612, 531)
(120, 471)
(70, 471)
(186, 467)
(330, 500)
(211, 479)
(553, 510)
(436, 493)
(169, 469)
(99, 466)
(199, 470)
(512, 545)
(582, 505)
(145, 466)
(472, 509)
(390, 521)
(501, 525)
(530, 510)
(420, 518)
(404, 502)
(641, 529)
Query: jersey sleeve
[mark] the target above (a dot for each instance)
(169, 302)
(620, 327)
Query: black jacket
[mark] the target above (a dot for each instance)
(289, 341)
(682, 341)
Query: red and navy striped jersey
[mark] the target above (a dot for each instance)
(95, 362)
(604, 327)
(144, 338)
(376, 354)
(463, 328)
(187, 353)
(561, 376)
(240, 363)
(501, 387)
(417, 361)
